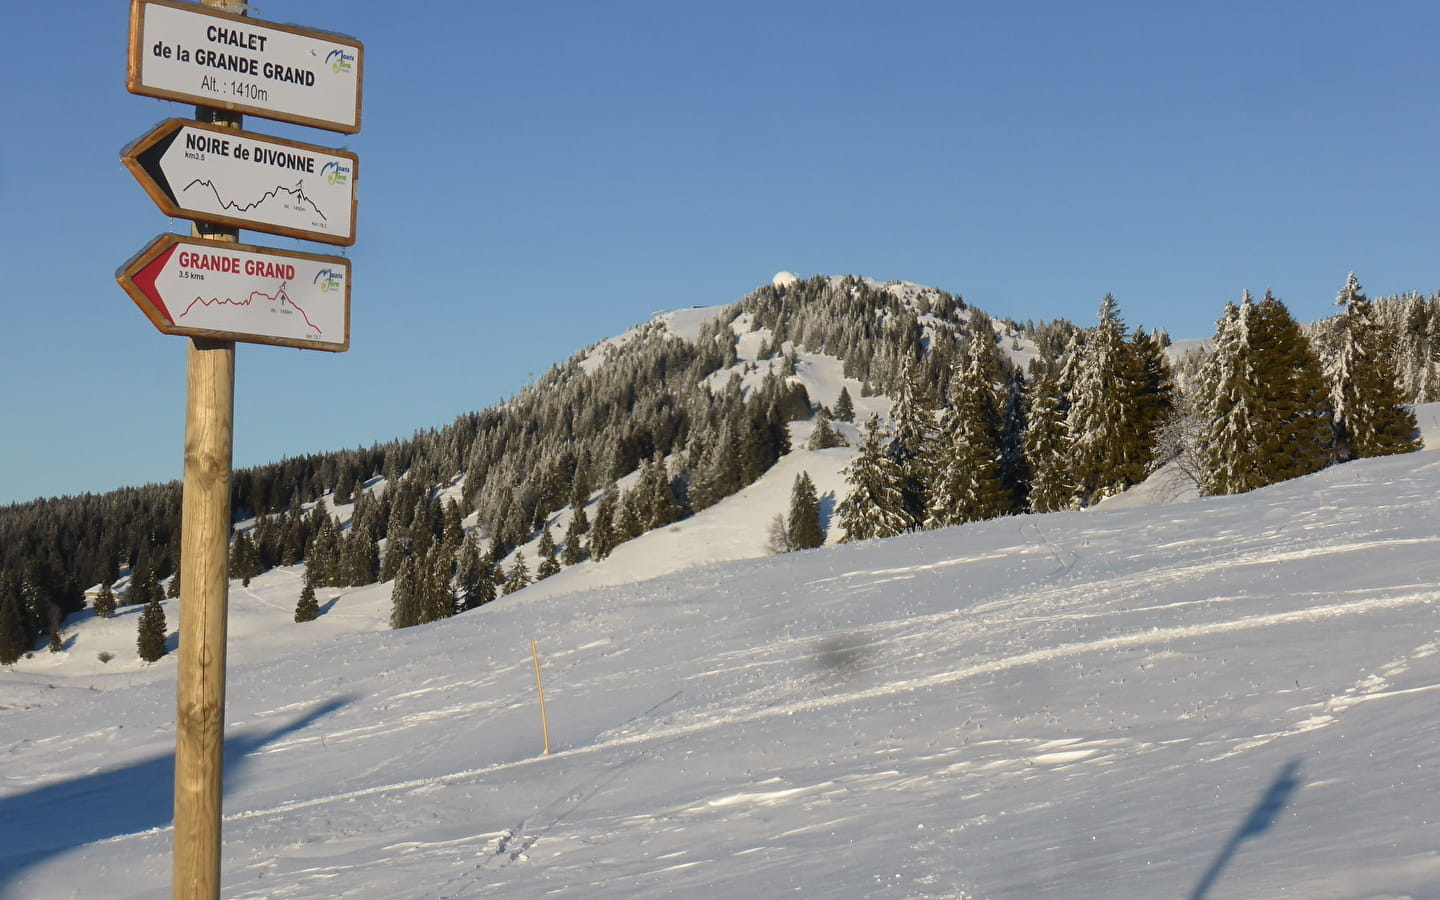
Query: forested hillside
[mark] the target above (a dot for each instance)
(989, 418)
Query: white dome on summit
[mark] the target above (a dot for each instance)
(784, 279)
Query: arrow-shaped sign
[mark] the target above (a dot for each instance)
(238, 292)
(216, 174)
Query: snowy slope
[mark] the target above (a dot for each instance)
(1232, 697)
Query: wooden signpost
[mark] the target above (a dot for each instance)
(217, 291)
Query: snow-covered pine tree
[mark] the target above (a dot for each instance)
(1046, 441)
(437, 600)
(969, 487)
(1015, 470)
(406, 601)
(470, 568)
(718, 476)
(1230, 439)
(824, 436)
(875, 506)
(1101, 415)
(519, 575)
(453, 529)
(1370, 416)
(574, 550)
(657, 502)
(915, 441)
(549, 565)
(603, 538)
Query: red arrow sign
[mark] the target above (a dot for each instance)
(239, 292)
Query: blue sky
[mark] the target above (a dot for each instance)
(536, 178)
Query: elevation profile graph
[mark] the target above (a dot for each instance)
(215, 174)
(238, 292)
(292, 198)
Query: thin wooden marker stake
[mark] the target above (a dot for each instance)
(539, 686)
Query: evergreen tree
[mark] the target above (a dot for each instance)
(1370, 416)
(307, 609)
(655, 503)
(172, 590)
(406, 599)
(437, 598)
(914, 441)
(803, 531)
(844, 406)
(1151, 405)
(549, 565)
(15, 637)
(360, 557)
(1101, 417)
(519, 575)
(718, 476)
(152, 631)
(104, 605)
(629, 513)
(473, 575)
(574, 550)
(825, 436)
(244, 558)
(603, 538)
(1230, 439)
(1265, 415)
(1046, 444)
(1296, 429)
(1015, 469)
(875, 506)
(453, 527)
(970, 487)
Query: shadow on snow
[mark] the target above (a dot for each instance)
(55, 818)
(1258, 822)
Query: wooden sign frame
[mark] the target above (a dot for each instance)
(244, 96)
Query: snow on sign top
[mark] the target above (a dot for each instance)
(190, 53)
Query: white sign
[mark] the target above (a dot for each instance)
(217, 174)
(240, 292)
(181, 51)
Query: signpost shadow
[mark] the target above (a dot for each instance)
(59, 817)
(1258, 822)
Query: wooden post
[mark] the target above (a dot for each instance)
(204, 594)
(204, 602)
(540, 687)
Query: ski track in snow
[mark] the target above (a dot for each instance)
(1083, 704)
(1371, 689)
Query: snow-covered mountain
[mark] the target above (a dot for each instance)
(1229, 697)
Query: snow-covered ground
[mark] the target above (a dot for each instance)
(1231, 697)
